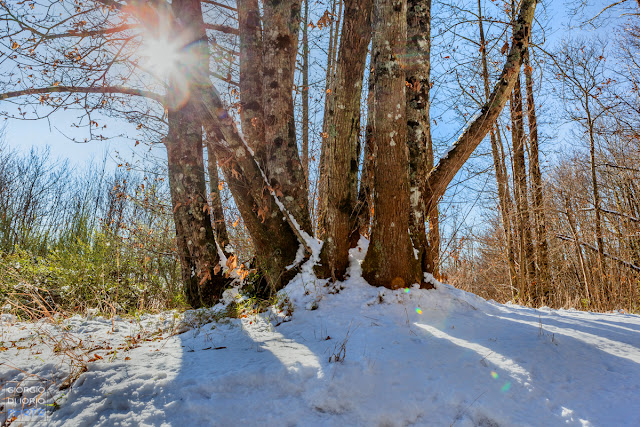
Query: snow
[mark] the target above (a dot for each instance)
(406, 357)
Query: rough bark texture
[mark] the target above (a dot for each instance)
(390, 261)
(195, 237)
(523, 221)
(283, 168)
(196, 244)
(305, 92)
(216, 210)
(322, 168)
(343, 129)
(417, 68)
(542, 246)
(504, 198)
(440, 176)
(251, 91)
(275, 239)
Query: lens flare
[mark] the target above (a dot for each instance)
(494, 374)
(419, 310)
(505, 388)
(160, 56)
(406, 290)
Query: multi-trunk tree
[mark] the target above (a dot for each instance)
(260, 162)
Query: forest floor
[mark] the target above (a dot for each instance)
(348, 354)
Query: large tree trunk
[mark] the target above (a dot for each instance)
(274, 236)
(542, 247)
(440, 176)
(197, 250)
(341, 144)
(196, 244)
(390, 260)
(283, 168)
(417, 71)
(251, 77)
(497, 151)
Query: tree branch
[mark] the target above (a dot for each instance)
(77, 89)
(90, 33)
(222, 28)
(594, 249)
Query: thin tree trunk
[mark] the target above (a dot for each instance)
(602, 266)
(576, 240)
(283, 168)
(390, 260)
(542, 247)
(419, 131)
(305, 92)
(527, 258)
(365, 192)
(497, 151)
(216, 209)
(342, 124)
(329, 89)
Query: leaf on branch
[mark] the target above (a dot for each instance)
(505, 48)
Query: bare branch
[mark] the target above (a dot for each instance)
(593, 248)
(222, 28)
(75, 89)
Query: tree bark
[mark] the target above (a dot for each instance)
(390, 260)
(251, 78)
(305, 92)
(283, 168)
(440, 176)
(343, 130)
(216, 209)
(523, 224)
(542, 246)
(196, 244)
(272, 230)
(417, 70)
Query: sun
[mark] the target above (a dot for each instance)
(160, 56)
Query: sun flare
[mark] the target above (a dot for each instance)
(160, 56)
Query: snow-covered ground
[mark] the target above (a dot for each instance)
(409, 357)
